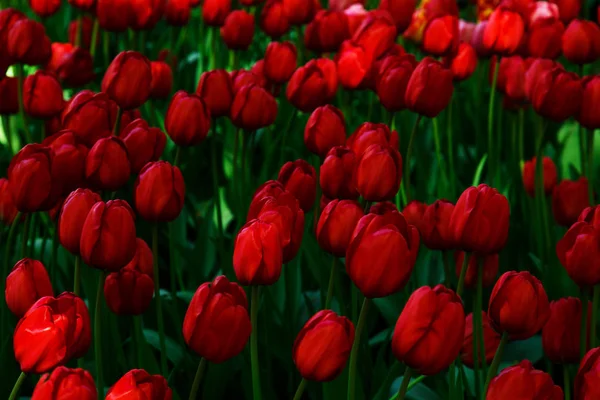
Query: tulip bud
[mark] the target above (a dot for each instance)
(544, 38)
(325, 129)
(145, 14)
(374, 235)
(27, 283)
(327, 31)
(27, 43)
(188, 119)
(215, 88)
(273, 20)
(400, 10)
(144, 144)
(280, 61)
(44, 8)
(91, 116)
(312, 85)
(376, 34)
(177, 12)
(587, 115)
(300, 12)
(392, 81)
(463, 63)
(354, 66)
(369, 133)
(489, 266)
(68, 159)
(107, 165)
(87, 27)
(336, 174)
(258, 253)
(567, 9)
(214, 12)
(72, 216)
(9, 96)
(556, 94)
(129, 291)
(162, 80)
(323, 346)
(8, 211)
(159, 192)
(480, 220)
(72, 65)
(336, 224)
(436, 232)
(491, 339)
(550, 176)
(215, 306)
(503, 32)
(569, 199)
(506, 311)
(581, 42)
(107, 224)
(413, 212)
(65, 383)
(253, 108)
(42, 95)
(138, 384)
(440, 37)
(560, 335)
(378, 173)
(429, 89)
(128, 80)
(523, 380)
(416, 341)
(238, 30)
(299, 178)
(114, 15)
(52, 332)
(586, 384)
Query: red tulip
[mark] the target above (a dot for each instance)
(107, 165)
(68, 159)
(568, 9)
(188, 119)
(586, 384)
(413, 212)
(91, 116)
(253, 108)
(323, 346)
(27, 43)
(138, 384)
(376, 34)
(463, 63)
(129, 291)
(65, 383)
(569, 199)
(489, 265)
(441, 37)
(436, 232)
(54, 331)
(544, 38)
(300, 12)
(378, 173)
(114, 15)
(162, 80)
(144, 144)
(581, 42)
(108, 238)
(560, 335)
(280, 61)
(9, 92)
(556, 94)
(503, 32)
(273, 20)
(72, 65)
(369, 133)
(416, 341)
(429, 89)
(8, 211)
(392, 81)
(84, 5)
(87, 27)
(178, 12)
(336, 173)
(480, 220)
(27, 283)
(72, 216)
(354, 66)
(299, 178)
(44, 8)
(215, 308)
(336, 224)
(215, 88)
(325, 129)
(550, 176)
(145, 14)
(238, 30)
(326, 31)
(534, 68)
(518, 305)
(128, 80)
(42, 95)
(400, 10)
(312, 85)
(214, 12)
(382, 253)
(587, 117)
(525, 381)
(491, 340)
(159, 192)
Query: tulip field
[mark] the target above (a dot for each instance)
(299, 199)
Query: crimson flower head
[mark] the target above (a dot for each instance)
(188, 119)
(280, 61)
(300, 12)
(273, 20)
(336, 224)
(581, 42)
(87, 27)
(215, 88)
(27, 43)
(491, 339)
(313, 85)
(376, 34)
(253, 108)
(550, 176)
(144, 144)
(215, 308)
(138, 384)
(392, 81)
(369, 133)
(569, 199)
(162, 80)
(90, 115)
(413, 212)
(503, 32)
(68, 159)
(586, 381)
(159, 192)
(560, 335)
(586, 116)
(72, 216)
(8, 211)
(400, 10)
(65, 383)
(326, 32)
(107, 165)
(145, 14)
(463, 63)
(73, 66)
(238, 30)
(42, 95)
(177, 12)
(489, 264)
(429, 89)
(214, 12)
(354, 66)
(378, 173)
(128, 80)
(325, 129)
(336, 174)
(114, 15)
(441, 36)
(299, 178)
(27, 283)
(555, 93)
(436, 231)
(523, 380)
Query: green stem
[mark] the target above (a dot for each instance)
(584, 327)
(331, 284)
(77, 276)
(496, 362)
(492, 160)
(409, 150)
(451, 381)
(177, 158)
(159, 311)
(93, 43)
(590, 145)
(404, 386)
(411, 384)
(566, 382)
(20, 81)
(362, 319)
(254, 345)
(25, 236)
(138, 334)
(98, 336)
(595, 303)
(198, 378)
(438, 151)
(393, 372)
(15, 391)
(117, 126)
(478, 329)
(217, 198)
(300, 389)
(463, 273)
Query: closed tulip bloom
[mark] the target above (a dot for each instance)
(87, 26)
(143, 143)
(587, 116)
(336, 224)
(506, 310)
(280, 61)
(216, 325)
(436, 232)
(8, 211)
(138, 384)
(480, 220)
(544, 38)
(489, 267)
(90, 115)
(72, 216)
(550, 176)
(568, 9)
(569, 199)
(52, 332)
(556, 94)
(581, 42)
(162, 80)
(44, 8)
(215, 88)
(129, 291)
(214, 12)
(42, 95)
(300, 12)
(114, 15)
(238, 30)
(354, 66)
(177, 12)
(73, 66)
(491, 339)
(376, 34)
(525, 382)
(323, 346)
(68, 159)
(336, 174)
(146, 13)
(325, 129)
(533, 71)
(107, 165)
(258, 253)
(299, 178)
(27, 283)
(413, 212)
(128, 80)
(326, 32)
(378, 173)
(27, 43)
(463, 63)
(416, 340)
(108, 238)
(503, 32)
(429, 89)
(369, 133)
(188, 119)
(560, 335)
(253, 108)
(159, 192)
(586, 381)
(9, 96)
(273, 20)
(392, 80)
(313, 84)
(441, 37)
(382, 254)
(65, 383)
(400, 10)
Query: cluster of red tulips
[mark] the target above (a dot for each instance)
(87, 172)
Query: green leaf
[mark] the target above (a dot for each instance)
(479, 170)
(530, 349)
(174, 351)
